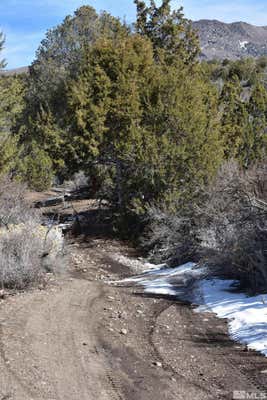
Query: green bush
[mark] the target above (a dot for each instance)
(36, 169)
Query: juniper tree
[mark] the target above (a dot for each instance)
(254, 144)
(234, 118)
(168, 30)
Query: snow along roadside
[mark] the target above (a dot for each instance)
(247, 316)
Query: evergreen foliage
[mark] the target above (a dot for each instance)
(133, 108)
(35, 168)
(11, 106)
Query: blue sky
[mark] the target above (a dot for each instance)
(25, 22)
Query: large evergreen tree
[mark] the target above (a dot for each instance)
(58, 61)
(153, 123)
(234, 120)
(254, 143)
(11, 104)
(168, 30)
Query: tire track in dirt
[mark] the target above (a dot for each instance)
(51, 352)
(159, 310)
(57, 344)
(223, 375)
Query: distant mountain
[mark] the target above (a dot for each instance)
(15, 71)
(236, 40)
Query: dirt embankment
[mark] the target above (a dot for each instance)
(82, 339)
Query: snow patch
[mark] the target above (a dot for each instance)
(247, 316)
(160, 280)
(243, 44)
(137, 265)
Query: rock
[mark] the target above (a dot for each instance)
(122, 314)
(123, 331)
(157, 364)
(219, 40)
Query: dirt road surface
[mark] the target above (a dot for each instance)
(83, 339)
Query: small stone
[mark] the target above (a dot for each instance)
(264, 371)
(157, 364)
(123, 332)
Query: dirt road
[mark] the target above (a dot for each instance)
(82, 339)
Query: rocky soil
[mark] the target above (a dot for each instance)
(236, 40)
(81, 338)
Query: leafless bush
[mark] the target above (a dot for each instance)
(233, 223)
(20, 260)
(79, 181)
(170, 238)
(27, 249)
(27, 252)
(225, 227)
(13, 207)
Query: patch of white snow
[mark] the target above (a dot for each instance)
(247, 316)
(243, 43)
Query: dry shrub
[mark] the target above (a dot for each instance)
(27, 249)
(20, 261)
(13, 207)
(233, 228)
(225, 227)
(170, 238)
(77, 182)
(27, 252)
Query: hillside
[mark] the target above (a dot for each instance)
(15, 71)
(236, 40)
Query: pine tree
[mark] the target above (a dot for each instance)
(234, 120)
(168, 30)
(153, 123)
(255, 138)
(11, 105)
(105, 103)
(35, 168)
